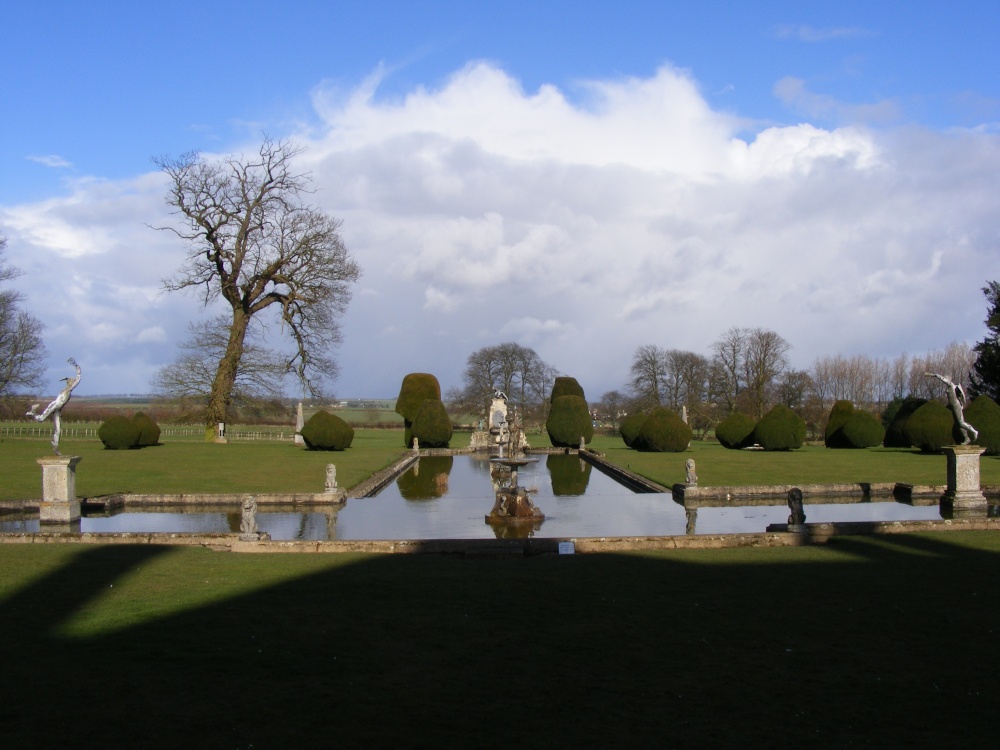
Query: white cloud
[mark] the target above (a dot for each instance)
(51, 160)
(792, 91)
(481, 212)
(806, 33)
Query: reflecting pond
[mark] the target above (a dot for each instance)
(448, 498)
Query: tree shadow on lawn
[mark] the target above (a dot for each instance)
(885, 642)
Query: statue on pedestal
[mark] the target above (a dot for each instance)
(956, 405)
(55, 408)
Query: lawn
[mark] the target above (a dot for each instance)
(811, 464)
(197, 466)
(877, 642)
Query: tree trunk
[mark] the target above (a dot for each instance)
(225, 377)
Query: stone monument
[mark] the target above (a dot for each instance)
(690, 477)
(299, 424)
(513, 507)
(797, 516)
(964, 494)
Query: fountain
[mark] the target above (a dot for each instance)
(513, 507)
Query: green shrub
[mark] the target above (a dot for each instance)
(119, 434)
(781, 429)
(735, 431)
(149, 431)
(324, 431)
(839, 414)
(570, 475)
(930, 427)
(416, 387)
(569, 420)
(630, 427)
(663, 432)
(432, 426)
(862, 430)
(895, 433)
(566, 386)
(984, 414)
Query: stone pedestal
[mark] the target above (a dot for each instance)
(59, 502)
(964, 492)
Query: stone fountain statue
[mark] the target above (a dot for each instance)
(55, 408)
(956, 405)
(512, 506)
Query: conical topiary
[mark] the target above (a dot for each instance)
(432, 426)
(415, 389)
(569, 421)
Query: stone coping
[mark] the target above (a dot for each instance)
(777, 535)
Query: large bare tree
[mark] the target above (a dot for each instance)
(255, 243)
(22, 351)
(516, 370)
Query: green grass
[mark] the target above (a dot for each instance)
(197, 466)
(718, 466)
(881, 642)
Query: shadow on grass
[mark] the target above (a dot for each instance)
(879, 642)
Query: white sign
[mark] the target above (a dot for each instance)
(567, 548)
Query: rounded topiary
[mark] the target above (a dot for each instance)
(929, 428)
(566, 386)
(569, 474)
(895, 432)
(324, 431)
(861, 430)
(984, 414)
(839, 414)
(663, 432)
(119, 434)
(427, 479)
(781, 429)
(569, 421)
(735, 431)
(630, 427)
(149, 431)
(432, 426)
(415, 389)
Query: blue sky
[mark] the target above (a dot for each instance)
(719, 156)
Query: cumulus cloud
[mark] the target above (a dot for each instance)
(631, 213)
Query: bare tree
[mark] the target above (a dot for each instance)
(255, 244)
(189, 378)
(516, 370)
(612, 407)
(22, 351)
(648, 374)
(728, 375)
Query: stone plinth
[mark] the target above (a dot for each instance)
(964, 491)
(59, 502)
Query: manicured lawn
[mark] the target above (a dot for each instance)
(717, 466)
(197, 466)
(880, 642)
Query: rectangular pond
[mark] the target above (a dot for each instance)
(448, 497)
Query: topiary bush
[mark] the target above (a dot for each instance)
(432, 426)
(327, 432)
(781, 429)
(415, 389)
(149, 431)
(566, 386)
(119, 434)
(663, 432)
(895, 432)
(569, 421)
(929, 428)
(735, 431)
(862, 430)
(839, 414)
(630, 427)
(984, 414)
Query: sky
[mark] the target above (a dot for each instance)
(581, 178)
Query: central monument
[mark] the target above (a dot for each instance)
(513, 507)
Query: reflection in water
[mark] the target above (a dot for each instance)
(457, 492)
(427, 479)
(570, 475)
